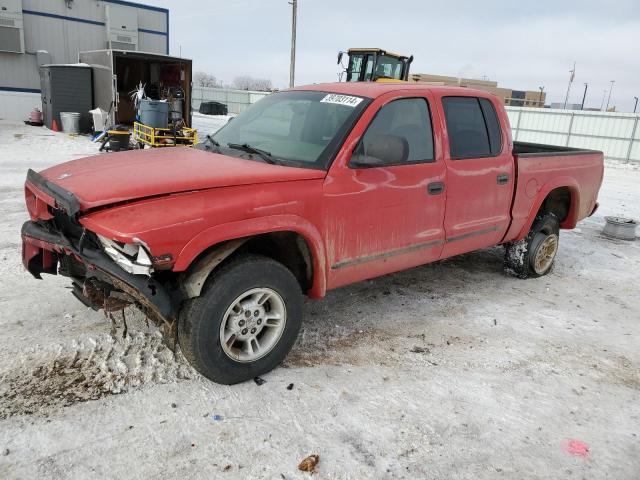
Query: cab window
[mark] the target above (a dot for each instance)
(472, 126)
(388, 67)
(400, 133)
(355, 67)
(368, 69)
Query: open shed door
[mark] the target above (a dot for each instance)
(104, 91)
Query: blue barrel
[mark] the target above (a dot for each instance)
(154, 113)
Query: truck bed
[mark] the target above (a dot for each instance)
(541, 169)
(526, 149)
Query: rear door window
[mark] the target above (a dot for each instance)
(472, 127)
(493, 126)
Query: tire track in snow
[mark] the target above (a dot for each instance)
(87, 370)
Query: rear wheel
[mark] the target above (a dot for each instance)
(244, 323)
(534, 255)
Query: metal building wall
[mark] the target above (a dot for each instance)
(63, 32)
(61, 38)
(151, 43)
(19, 72)
(616, 134)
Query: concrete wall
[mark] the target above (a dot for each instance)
(616, 134)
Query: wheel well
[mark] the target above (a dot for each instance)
(288, 248)
(558, 202)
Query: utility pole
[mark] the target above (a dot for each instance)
(636, 105)
(571, 77)
(612, 82)
(292, 67)
(540, 103)
(584, 96)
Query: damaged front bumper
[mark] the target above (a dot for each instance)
(42, 249)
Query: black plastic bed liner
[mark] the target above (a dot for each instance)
(526, 149)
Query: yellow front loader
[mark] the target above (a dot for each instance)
(375, 65)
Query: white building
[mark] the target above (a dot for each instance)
(38, 32)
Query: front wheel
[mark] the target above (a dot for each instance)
(534, 255)
(244, 323)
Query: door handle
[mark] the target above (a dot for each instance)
(435, 188)
(503, 179)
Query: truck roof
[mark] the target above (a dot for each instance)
(375, 89)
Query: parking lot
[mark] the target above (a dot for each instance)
(447, 371)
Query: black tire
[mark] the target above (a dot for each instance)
(200, 318)
(519, 258)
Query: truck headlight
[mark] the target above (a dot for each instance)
(131, 257)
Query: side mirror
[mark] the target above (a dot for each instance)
(340, 57)
(381, 150)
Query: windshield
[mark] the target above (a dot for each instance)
(295, 128)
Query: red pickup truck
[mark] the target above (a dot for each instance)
(308, 190)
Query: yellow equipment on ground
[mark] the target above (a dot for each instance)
(375, 65)
(115, 139)
(164, 137)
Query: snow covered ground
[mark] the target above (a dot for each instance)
(446, 371)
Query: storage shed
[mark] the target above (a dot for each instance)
(66, 88)
(117, 73)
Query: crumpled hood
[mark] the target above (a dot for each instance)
(119, 177)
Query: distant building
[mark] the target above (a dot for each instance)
(517, 98)
(37, 32)
(570, 106)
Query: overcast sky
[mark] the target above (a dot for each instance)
(520, 44)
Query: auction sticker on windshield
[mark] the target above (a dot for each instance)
(347, 100)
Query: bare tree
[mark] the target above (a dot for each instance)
(246, 82)
(243, 82)
(204, 79)
(262, 84)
